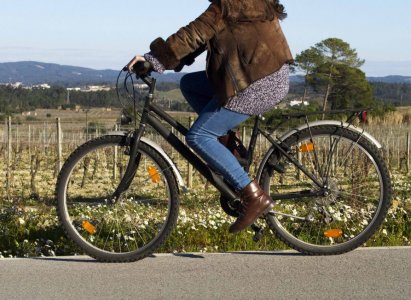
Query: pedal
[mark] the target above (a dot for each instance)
(125, 119)
(258, 232)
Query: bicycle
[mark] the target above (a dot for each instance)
(118, 194)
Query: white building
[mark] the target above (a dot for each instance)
(297, 102)
(41, 86)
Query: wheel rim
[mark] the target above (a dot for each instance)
(355, 187)
(127, 225)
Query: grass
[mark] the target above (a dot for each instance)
(174, 95)
(33, 229)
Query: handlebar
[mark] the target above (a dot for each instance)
(141, 68)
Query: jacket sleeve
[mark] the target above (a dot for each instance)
(189, 39)
(190, 58)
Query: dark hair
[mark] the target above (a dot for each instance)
(277, 7)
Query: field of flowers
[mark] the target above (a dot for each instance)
(31, 228)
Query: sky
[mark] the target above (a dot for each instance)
(105, 34)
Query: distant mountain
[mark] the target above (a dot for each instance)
(385, 79)
(391, 79)
(32, 72)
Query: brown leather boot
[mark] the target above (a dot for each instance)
(255, 203)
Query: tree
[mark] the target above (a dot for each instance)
(308, 61)
(334, 52)
(350, 89)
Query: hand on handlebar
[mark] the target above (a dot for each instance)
(132, 62)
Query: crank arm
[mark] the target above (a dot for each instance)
(273, 213)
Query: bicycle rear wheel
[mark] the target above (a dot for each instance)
(355, 204)
(116, 230)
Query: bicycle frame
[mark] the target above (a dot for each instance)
(152, 115)
(148, 118)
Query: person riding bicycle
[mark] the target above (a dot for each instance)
(246, 74)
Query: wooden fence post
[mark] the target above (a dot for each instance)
(189, 166)
(9, 149)
(45, 138)
(408, 152)
(398, 154)
(115, 160)
(172, 148)
(29, 140)
(243, 134)
(388, 152)
(5, 132)
(59, 145)
(17, 139)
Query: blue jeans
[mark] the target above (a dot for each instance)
(213, 121)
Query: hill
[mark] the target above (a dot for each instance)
(391, 79)
(32, 72)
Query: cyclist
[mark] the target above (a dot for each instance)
(246, 74)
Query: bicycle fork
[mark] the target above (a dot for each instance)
(133, 163)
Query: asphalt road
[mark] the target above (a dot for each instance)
(373, 273)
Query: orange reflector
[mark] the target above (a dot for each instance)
(152, 171)
(333, 233)
(89, 227)
(307, 147)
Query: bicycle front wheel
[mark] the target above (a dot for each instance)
(356, 197)
(130, 227)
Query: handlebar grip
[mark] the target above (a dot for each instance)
(142, 67)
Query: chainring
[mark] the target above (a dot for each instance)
(231, 208)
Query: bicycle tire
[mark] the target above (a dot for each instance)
(123, 230)
(334, 218)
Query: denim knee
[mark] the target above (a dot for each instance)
(192, 139)
(185, 83)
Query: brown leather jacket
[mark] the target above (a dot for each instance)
(244, 46)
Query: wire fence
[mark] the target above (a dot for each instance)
(32, 154)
